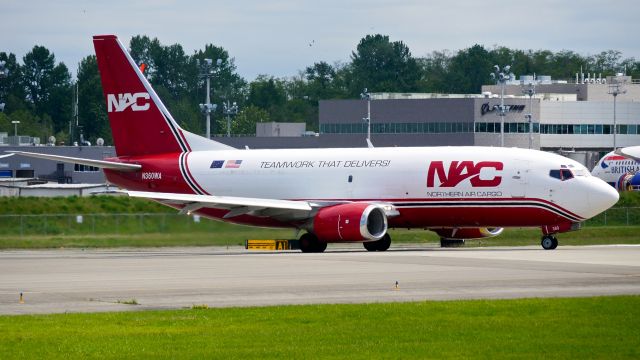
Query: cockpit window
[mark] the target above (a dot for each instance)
(562, 174)
(566, 174)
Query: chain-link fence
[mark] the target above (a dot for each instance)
(627, 216)
(59, 224)
(141, 223)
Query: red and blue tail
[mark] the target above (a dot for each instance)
(140, 123)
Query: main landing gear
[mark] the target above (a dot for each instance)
(549, 242)
(309, 243)
(379, 245)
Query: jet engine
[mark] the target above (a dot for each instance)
(350, 222)
(468, 233)
(629, 182)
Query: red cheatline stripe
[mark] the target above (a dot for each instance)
(186, 162)
(460, 200)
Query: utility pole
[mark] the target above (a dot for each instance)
(229, 110)
(530, 91)
(206, 71)
(3, 73)
(365, 95)
(501, 78)
(15, 131)
(615, 88)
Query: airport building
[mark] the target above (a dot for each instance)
(31, 168)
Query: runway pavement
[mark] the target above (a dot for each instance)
(55, 281)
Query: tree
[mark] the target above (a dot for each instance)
(321, 79)
(435, 68)
(245, 122)
(92, 113)
(12, 91)
(48, 86)
(268, 93)
(381, 65)
(469, 70)
(176, 78)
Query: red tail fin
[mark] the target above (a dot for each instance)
(140, 123)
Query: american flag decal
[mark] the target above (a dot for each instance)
(233, 164)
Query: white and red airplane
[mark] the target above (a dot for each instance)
(336, 195)
(620, 169)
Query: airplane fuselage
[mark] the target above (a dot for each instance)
(430, 187)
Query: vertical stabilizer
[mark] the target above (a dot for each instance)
(140, 123)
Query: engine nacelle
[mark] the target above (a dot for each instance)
(629, 182)
(350, 222)
(468, 233)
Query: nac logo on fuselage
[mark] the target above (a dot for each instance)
(120, 102)
(461, 170)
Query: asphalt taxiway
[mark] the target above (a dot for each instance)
(54, 281)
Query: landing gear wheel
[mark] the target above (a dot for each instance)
(379, 245)
(370, 245)
(384, 243)
(549, 242)
(309, 244)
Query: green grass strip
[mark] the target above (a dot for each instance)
(568, 328)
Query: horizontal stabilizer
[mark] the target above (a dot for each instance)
(102, 164)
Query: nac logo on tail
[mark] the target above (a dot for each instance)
(120, 102)
(462, 170)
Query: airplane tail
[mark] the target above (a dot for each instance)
(140, 123)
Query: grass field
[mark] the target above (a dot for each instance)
(109, 221)
(229, 235)
(574, 328)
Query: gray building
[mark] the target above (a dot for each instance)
(26, 167)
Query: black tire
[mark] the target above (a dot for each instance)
(379, 245)
(320, 247)
(308, 243)
(384, 243)
(370, 245)
(548, 242)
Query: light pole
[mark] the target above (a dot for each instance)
(614, 89)
(365, 95)
(501, 78)
(530, 91)
(3, 73)
(229, 110)
(207, 72)
(15, 128)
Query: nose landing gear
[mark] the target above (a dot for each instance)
(549, 242)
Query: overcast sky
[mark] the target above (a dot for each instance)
(282, 37)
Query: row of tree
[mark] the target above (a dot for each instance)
(39, 92)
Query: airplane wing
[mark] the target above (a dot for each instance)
(278, 209)
(632, 152)
(284, 210)
(112, 165)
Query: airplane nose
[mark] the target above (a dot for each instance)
(601, 196)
